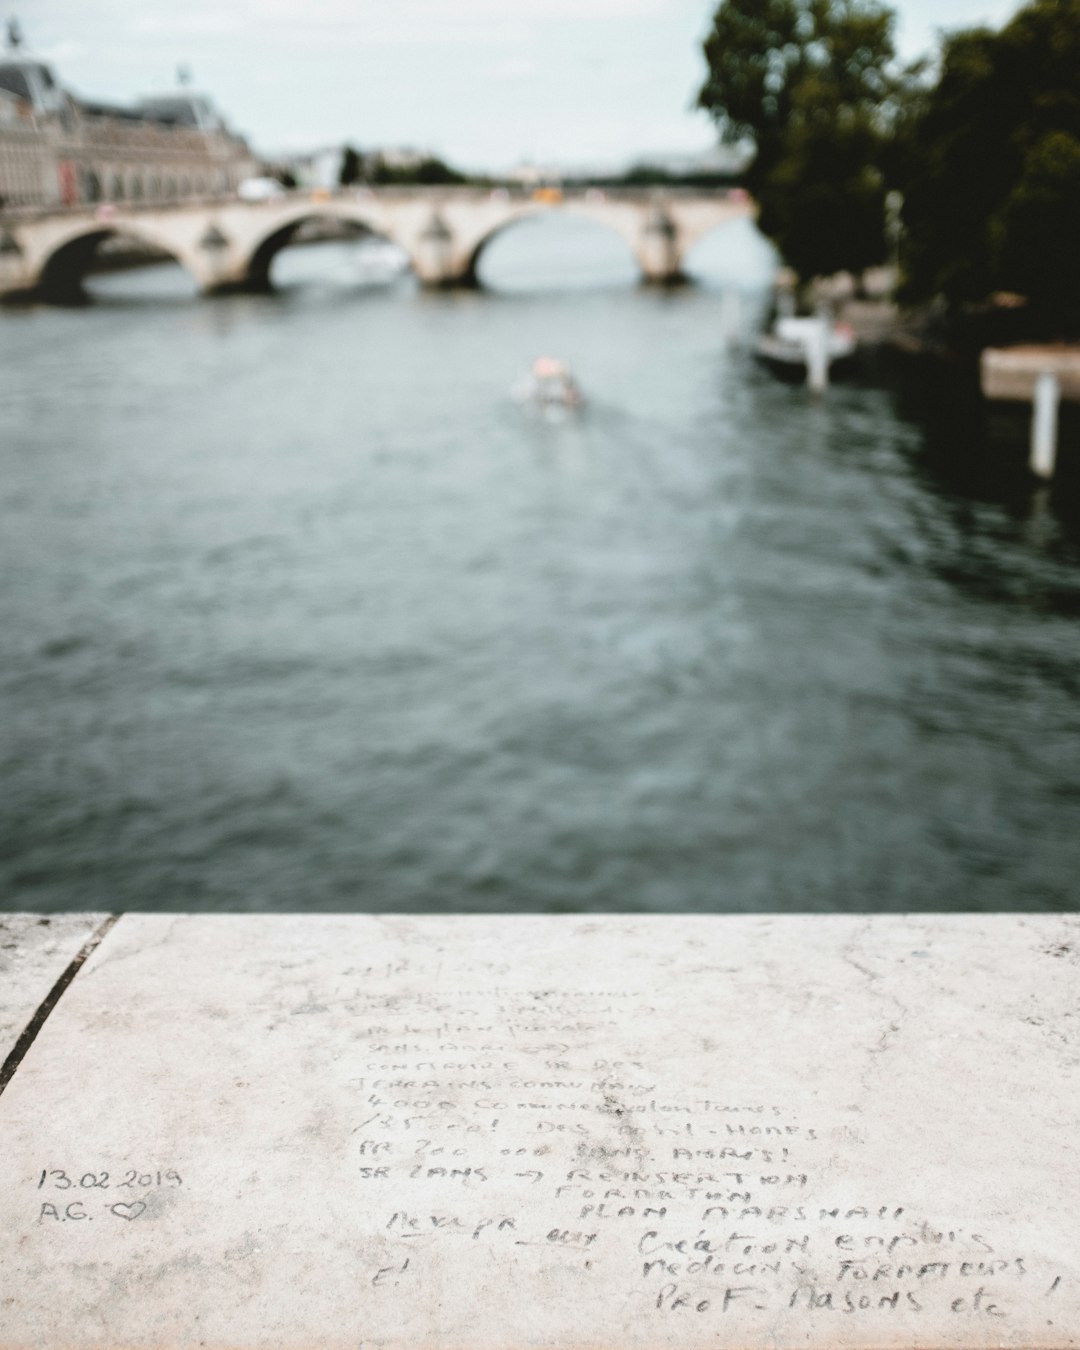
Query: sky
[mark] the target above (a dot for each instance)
(486, 84)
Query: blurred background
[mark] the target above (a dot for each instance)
(315, 595)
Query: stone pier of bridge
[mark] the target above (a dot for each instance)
(230, 245)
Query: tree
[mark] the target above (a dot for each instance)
(433, 170)
(993, 197)
(426, 171)
(812, 84)
(350, 167)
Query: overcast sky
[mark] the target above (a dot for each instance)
(485, 83)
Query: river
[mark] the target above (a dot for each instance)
(301, 612)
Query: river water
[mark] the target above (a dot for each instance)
(300, 611)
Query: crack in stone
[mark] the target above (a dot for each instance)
(30, 1032)
(874, 981)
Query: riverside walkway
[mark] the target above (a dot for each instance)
(582, 1133)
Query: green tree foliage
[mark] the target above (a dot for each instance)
(350, 167)
(429, 171)
(654, 175)
(811, 83)
(993, 197)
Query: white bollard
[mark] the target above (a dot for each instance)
(1044, 424)
(817, 355)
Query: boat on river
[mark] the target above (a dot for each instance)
(548, 385)
(788, 347)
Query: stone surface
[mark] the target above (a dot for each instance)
(35, 950)
(605, 1134)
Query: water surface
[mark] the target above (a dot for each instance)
(300, 611)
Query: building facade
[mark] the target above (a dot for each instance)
(59, 150)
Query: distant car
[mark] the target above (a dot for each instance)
(260, 190)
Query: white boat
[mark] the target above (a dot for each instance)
(789, 347)
(549, 384)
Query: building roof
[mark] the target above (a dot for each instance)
(31, 79)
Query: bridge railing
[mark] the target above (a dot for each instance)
(553, 196)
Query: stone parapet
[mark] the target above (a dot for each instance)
(582, 1133)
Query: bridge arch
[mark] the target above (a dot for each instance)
(63, 269)
(529, 214)
(731, 253)
(650, 224)
(262, 251)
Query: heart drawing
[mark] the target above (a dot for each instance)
(128, 1211)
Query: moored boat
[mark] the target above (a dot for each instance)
(794, 342)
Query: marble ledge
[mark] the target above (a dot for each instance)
(560, 1133)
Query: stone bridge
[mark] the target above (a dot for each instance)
(230, 245)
